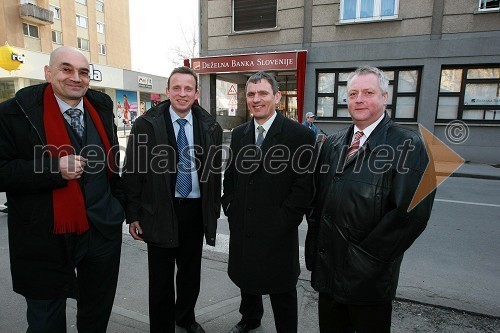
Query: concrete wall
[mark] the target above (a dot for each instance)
(427, 34)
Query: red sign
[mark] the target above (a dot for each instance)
(245, 63)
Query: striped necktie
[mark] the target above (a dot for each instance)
(354, 147)
(184, 182)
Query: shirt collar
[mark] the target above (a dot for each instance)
(174, 116)
(369, 129)
(63, 106)
(267, 124)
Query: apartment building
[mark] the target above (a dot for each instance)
(442, 58)
(100, 29)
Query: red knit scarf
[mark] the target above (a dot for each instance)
(69, 206)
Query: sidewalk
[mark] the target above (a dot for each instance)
(217, 307)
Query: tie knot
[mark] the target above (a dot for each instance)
(260, 129)
(358, 135)
(74, 113)
(182, 122)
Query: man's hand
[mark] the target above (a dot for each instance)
(71, 166)
(135, 230)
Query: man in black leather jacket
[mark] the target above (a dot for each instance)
(360, 225)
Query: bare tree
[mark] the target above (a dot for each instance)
(187, 46)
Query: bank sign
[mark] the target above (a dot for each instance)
(245, 63)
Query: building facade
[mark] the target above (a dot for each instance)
(100, 29)
(442, 58)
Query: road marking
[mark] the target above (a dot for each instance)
(468, 203)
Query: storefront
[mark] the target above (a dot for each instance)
(138, 91)
(227, 75)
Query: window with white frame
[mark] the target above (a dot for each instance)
(254, 14)
(402, 101)
(30, 30)
(56, 37)
(102, 49)
(100, 27)
(83, 2)
(368, 10)
(469, 93)
(83, 44)
(488, 5)
(82, 21)
(99, 6)
(56, 11)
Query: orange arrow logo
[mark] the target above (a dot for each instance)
(443, 161)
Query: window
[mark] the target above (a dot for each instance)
(83, 2)
(82, 21)
(254, 14)
(30, 30)
(487, 5)
(56, 37)
(83, 44)
(368, 10)
(402, 102)
(99, 6)
(470, 93)
(56, 11)
(102, 49)
(34, 2)
(100, 27)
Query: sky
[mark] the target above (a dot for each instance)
(157, 29)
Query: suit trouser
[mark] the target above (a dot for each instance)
(335, 317)
(164, 309)
(97, 262)
(284, 310)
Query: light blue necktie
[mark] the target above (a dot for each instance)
(76, 122)
(260, 137)
(184, 182)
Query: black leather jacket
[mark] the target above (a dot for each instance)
(360, 228)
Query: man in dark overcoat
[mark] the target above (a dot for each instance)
(172, 179)
(58, 154)
(267, 188)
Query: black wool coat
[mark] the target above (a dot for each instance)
(150, 174)
(40, 263)
(265, 198)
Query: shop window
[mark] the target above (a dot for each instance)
(402, 101)
(488, 5)
(6, 90)
(469, 93)
(56, 37)
(56, 11)
(83, 44)
(368, 10)
(82, 21)
(100, 27)
(30, 30)
(99, 6)
(254, 14)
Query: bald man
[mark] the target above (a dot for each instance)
(58, 148)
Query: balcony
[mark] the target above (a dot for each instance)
(35, 14)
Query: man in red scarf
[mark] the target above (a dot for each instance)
(58, 148)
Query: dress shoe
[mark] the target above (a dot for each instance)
(195, 328)
(242, 328)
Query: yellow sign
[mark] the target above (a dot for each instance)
(9, 58)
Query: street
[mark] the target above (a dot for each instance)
(454, 264)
